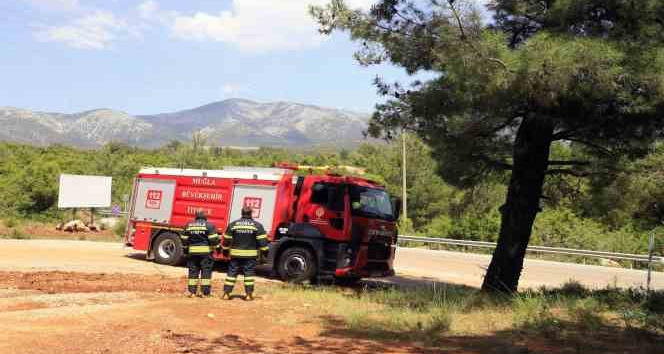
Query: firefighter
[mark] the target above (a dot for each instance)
(202, 238)
(244, 240)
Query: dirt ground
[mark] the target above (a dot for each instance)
(62, 297)
(67, 312)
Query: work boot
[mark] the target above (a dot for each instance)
(189, 294)
(249, 297)
(226, 296)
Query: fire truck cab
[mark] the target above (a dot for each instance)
(318, 225)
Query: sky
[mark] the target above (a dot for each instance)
(154, 56)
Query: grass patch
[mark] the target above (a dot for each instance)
(609, 320)
(16, 234)
(532, 313)
(10, 228)
(30, 229)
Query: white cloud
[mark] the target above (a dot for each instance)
(148, 10)
(95, 31)
(257, 25)
(56, 5)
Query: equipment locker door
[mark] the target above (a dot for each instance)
(261, 199)
(154, 200)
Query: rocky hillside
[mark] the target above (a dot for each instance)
(232, 122)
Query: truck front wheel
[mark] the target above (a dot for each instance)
(297, 265)
(168, 249)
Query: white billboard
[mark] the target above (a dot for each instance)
(84, 191)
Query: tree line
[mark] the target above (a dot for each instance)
(612, 215)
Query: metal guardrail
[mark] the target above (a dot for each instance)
(541, 249)
(108, 212)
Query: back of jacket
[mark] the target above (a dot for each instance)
(244, 237)
(200, 235)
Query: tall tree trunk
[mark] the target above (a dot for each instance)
(531, 158)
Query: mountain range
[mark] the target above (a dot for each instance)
(231, 122)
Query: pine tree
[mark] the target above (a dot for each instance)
(589, 73)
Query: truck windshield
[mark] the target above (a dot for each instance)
(370, 202)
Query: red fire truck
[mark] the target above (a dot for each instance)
(318, 225)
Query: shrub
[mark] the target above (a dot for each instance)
(586, 313)
(11, 222)
(471, 226)
(441, 226)
(531, 313)
(120, 227)
(18, 234)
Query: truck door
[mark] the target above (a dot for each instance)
(323, 205)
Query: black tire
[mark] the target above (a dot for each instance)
(168, 249)
(297, 265)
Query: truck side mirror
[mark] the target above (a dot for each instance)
(396, 208)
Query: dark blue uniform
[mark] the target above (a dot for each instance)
(243, 239)
(202, 238)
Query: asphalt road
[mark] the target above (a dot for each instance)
(412, 265)
(469, 269)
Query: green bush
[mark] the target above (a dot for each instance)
(120, 227)
(441, 226)
(475, 227)
(11, 222)
(561, 227)
(17, 234)
(586, 313)
(531, 313)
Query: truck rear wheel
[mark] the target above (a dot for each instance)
(168, 249)
(297, 265)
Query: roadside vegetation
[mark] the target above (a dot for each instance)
(613, 215)
(442, 316)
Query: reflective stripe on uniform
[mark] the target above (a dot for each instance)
(244, 253)
(199, 249)
(261, 237)
(244, 228)
(192, 282)
(248, 281)
(229, 281)
(266, 248)
(228, 237)
(206, 281)
(197, 228)
(213, 236)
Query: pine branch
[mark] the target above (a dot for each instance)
(569, 163)
(464, 38)
(599, 148)
(498, 165)
(568, 172)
